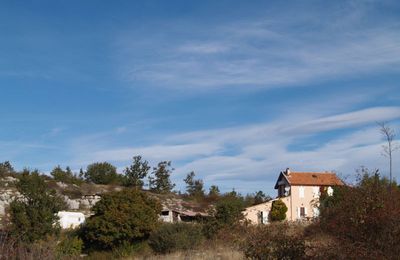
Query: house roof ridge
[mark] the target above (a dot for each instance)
(320, 178)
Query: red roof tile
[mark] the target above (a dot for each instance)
(313, 178)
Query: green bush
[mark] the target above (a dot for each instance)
(70, 245)
(65, 176)
(172, 237)
(274, 241)
(121, 218)
(278, 210)
(33, 216)
(229, 209)
(102, 173)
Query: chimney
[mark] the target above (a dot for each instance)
(287, 171)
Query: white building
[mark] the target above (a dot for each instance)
(70, 219)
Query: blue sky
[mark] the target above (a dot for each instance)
(234, 90)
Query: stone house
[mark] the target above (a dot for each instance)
(176, 215)
(300, 191)
(70, 220)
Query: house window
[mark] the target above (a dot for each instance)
(264, 217)
(301, 192)
(302, 212)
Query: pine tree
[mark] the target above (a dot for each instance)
(160, 181)
(194, 187)
(136, 172)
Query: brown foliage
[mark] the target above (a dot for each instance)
(275, 241)
(365, 219)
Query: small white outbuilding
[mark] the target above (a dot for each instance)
(70, 219)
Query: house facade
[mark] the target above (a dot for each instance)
(300, 191)
(70, 220)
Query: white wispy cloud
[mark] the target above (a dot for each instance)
(241, 156)
(350, 119)
(154, 153)
(272, 53)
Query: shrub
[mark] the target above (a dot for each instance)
(65, 176)
(33, 216)
(278, 210)
(227, 212)
(102, 173)
(70, 245)
(366, 216)
(11, 248)
(119, 218)
(6, 169)
(125, 250)
(274, 241)
(172, 237)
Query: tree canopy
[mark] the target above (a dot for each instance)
(194, 187)
(160, 181)
(6, 168)
(121, 217)
(136, 172)
(33, 216)
(102, 173)
(66, 176)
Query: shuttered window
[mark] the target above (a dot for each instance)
(301, 192)
(302, 212)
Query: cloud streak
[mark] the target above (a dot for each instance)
(238, 156)
(270, 54)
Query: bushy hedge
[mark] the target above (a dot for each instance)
(69, 246)
(366, 216)
(121, 218)
(274, 241)
(172, 237)
(278, 211)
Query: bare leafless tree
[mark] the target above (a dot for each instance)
(389, 136)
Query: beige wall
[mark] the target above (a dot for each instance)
(309, 201)
(294, 202)
(253, 213)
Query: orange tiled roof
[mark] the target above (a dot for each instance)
(313, 178)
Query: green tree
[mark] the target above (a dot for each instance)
(214, 191)
(136, 172)
(227, 212)
(33, 216)
(229, 209)
(102, 173)
(260, 197)
(66, 176)
(6, 168)
(278, 210)
(194, 187)
(160, 181)
(121, 218)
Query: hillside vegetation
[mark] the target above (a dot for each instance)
(361, 221)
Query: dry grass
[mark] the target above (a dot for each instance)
(218, 253)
